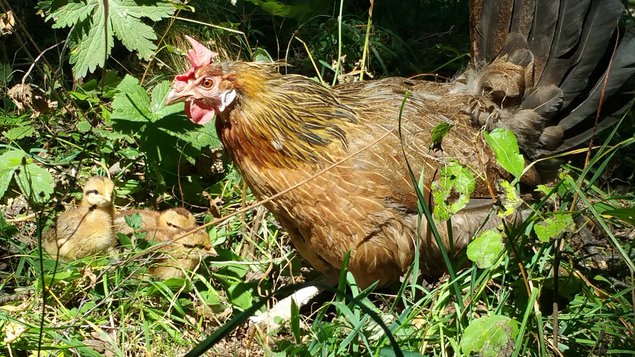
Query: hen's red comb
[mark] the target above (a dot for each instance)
(199, 55)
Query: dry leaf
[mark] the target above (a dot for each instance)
(7, 23)
(28, 96)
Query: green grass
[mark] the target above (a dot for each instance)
(110, 306)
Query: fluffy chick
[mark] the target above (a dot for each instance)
(86, 229)
(149, 220)
(183, 252)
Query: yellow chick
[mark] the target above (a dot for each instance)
(184, 252)
(86, 229)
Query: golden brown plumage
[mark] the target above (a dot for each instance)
(184, 253)
(86, 229)
(282, 129)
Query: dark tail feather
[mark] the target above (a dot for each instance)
(578, 125)
(570, 44)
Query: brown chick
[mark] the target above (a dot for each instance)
(87, 229)
(184, 253)
(149, 219)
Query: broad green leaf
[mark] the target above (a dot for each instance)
(134, 221)
(35, 182)
(553, 226)
(490, 336)
(452, 191)
(261, 55)
(509, 199)
(485, 249)
(83, 126)
(157, 101)
(19, 132)
(88, 44)
(240, 295)
(131, 102)
(156, 11)
(202, 137)
(505, 146)
(9, 162)
(210, 296)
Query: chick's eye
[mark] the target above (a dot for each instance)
(207, 83)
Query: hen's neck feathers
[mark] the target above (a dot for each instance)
(283, 121)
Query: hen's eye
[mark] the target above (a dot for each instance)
(207, 83)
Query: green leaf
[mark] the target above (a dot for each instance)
(509, 198)
(553, 226)
(490, 336)
(134, 221)
(19, 132)
(485, 249)
(625, 214)
(69, 13)
(140, 40)
(89, 37)
(438, 133)
(83, 126)
(452, 191)
(35, 182)
(131, 102)
(9, 162)
(157, 102)
(240, 295)
(505, 146)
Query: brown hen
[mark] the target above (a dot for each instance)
(538, 68)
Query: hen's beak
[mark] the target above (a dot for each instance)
(175, 96)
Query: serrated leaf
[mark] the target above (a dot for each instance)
(88, 44)
(452, 191)
(490, 336)
(123, 18)
(140, 40)
(19, 132)
(485, 249)
(35, 182)
(157, 101)
(202, 137)
(155, 12)
(505, 146)
(68, 13)
(553, 226)
(131, 102)
(134, 221)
